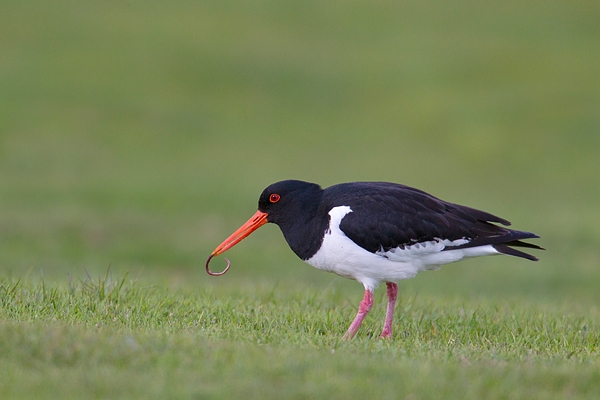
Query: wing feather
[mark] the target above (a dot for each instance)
(386, 216)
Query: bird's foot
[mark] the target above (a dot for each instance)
(363, 310)
(386, 334)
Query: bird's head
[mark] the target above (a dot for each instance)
(286, 201)
(281, 203)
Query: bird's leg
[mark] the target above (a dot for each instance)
(392, 294)
(363, 310)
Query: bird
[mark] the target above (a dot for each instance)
(375, 232)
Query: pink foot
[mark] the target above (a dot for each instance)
(363, 310)
(392, 293)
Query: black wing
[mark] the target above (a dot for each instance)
(387, 215)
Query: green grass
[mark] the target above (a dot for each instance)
(135, 136)
(120, 340)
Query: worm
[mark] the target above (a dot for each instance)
(208, 271)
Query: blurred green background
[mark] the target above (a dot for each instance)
(139, 134)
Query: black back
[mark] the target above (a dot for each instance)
(388, 215)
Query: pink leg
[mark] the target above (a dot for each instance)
(392, 293)
(363, 310)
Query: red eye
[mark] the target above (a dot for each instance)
(274, 198)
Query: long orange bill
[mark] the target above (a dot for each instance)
(257, 220)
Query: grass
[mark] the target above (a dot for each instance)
(117, 339)
(135, 137)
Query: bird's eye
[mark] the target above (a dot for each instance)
(274, 198)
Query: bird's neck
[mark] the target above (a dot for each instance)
(304, 233)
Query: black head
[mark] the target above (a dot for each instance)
(287, 201)
(291, 205)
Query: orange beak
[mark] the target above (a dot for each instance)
(255, 222)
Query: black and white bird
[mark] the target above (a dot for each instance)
(377, 232)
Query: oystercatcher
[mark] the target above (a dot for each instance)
(377, 232)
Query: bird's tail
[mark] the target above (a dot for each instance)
(507, 247)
